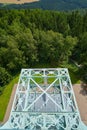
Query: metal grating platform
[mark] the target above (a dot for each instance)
(44, 100)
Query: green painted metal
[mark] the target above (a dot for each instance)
(44, 100)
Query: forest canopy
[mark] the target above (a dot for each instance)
(30, 37)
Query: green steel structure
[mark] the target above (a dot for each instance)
(44, 100)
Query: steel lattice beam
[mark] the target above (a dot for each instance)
(44, 100)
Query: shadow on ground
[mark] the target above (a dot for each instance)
(83, 91)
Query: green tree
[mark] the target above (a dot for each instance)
(27, 45)
(80, 51)
(5, 77)
(15, 59)
(75, 23)
(53, 47)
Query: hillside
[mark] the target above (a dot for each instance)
(17, 1)
(49, 4)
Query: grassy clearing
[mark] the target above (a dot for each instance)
(4, 98)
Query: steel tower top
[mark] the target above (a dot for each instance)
(44, 100)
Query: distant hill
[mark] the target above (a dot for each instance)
(51, 5)
(17, 1)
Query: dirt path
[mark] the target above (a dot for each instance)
(17, 1)
(81, 98)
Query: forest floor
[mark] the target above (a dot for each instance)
(81, 98)
(17, 1)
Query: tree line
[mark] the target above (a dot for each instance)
(28, 37)
(65, 5)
